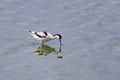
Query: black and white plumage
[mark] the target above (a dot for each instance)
(45, 36)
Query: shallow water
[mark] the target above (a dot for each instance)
(90, 44)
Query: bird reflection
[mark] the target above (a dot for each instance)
(45, 50)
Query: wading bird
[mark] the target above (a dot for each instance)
(45, 36)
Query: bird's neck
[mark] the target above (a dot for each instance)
(55, 37)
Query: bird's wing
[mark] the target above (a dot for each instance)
(41, 34)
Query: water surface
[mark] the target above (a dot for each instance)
(90, 44)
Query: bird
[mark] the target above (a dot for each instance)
(45, 36)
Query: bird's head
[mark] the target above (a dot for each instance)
(59, 37)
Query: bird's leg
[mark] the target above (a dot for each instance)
(42, 43)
